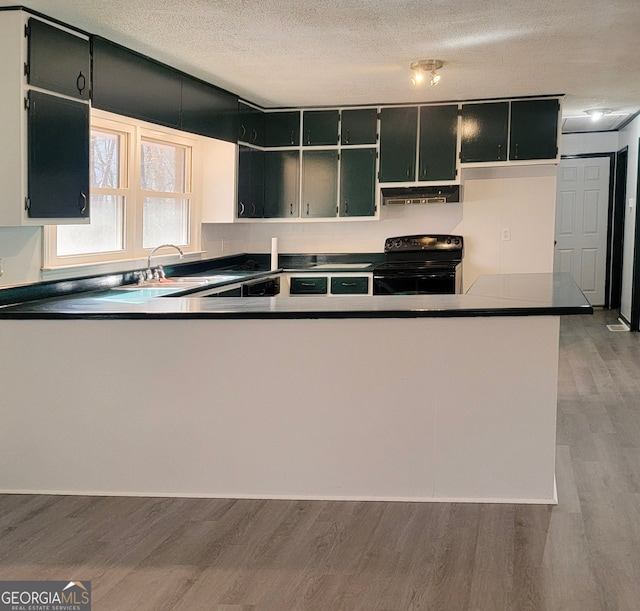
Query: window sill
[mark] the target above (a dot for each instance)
(113, 267)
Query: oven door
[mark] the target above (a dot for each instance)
(422, 283)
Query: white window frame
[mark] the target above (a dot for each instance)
(134, 255)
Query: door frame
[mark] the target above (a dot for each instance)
(610, 216)
(614, 291)
(634, 323)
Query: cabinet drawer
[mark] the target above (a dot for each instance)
(315, 285)
(352, 285)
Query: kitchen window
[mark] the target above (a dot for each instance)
(141, 179)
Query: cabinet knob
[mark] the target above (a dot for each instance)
(254, 135)
(241, 208)
(499, 152)
(291, 208)
(346, 207)
(307, 208)
(516, 154)
(346, 136)
(253, 209)
(293, 137)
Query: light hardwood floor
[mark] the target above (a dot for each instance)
(196, 554)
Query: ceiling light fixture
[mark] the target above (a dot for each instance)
(598, 113)
(426, 66)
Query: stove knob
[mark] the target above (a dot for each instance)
(448, 240)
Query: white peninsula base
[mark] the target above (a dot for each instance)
(415, 409)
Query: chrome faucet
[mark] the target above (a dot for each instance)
(159, 273)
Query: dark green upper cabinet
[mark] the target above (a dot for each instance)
(357, 182)
(319, 183)
(251, 127)
(282, 128)
(281, 184)
(58, 152)
(484, 132)
(359, 126)
(320, 127)
(437, 154)
(208, 111)
(398, 141)
(250, 182)
(534, 129)
(58, 60)
(130, 84)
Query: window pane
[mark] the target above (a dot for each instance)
(165, 220)
(162, 167)
(104, 234)
(105, 159)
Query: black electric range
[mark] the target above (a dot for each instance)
(420, 265)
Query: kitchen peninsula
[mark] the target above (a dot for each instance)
(421, 398)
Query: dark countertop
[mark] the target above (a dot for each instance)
(491, 295)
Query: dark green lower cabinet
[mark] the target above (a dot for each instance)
(312, 285)
(234, 292)
(281, 184)
(250, 183)
(351, 285)
(319, 183)
(438, 142)
(357, 182)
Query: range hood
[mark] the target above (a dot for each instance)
(421, 195)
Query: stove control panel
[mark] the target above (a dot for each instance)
(413, 243)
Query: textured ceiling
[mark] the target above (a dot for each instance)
(340, 52)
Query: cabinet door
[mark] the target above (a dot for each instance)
(281, 183)
(534, 129)
(282, 128)
(58, 167)
(320, 127)
(135, 86)
(319, 183)
(398, 140)
(250, 182)
(349, 285)
(484, 132)
(208, 111)
(357, 182)
(312, 285)
(251, 128)
(359, 126)
(438, 142)
(58, 61)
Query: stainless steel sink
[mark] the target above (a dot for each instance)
(179, 283)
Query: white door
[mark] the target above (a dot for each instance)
(582, 206)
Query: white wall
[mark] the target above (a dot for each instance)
(521, 199)
(21, 254)
(584, 144)
(611, 142)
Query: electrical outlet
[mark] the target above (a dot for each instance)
(506, 234)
